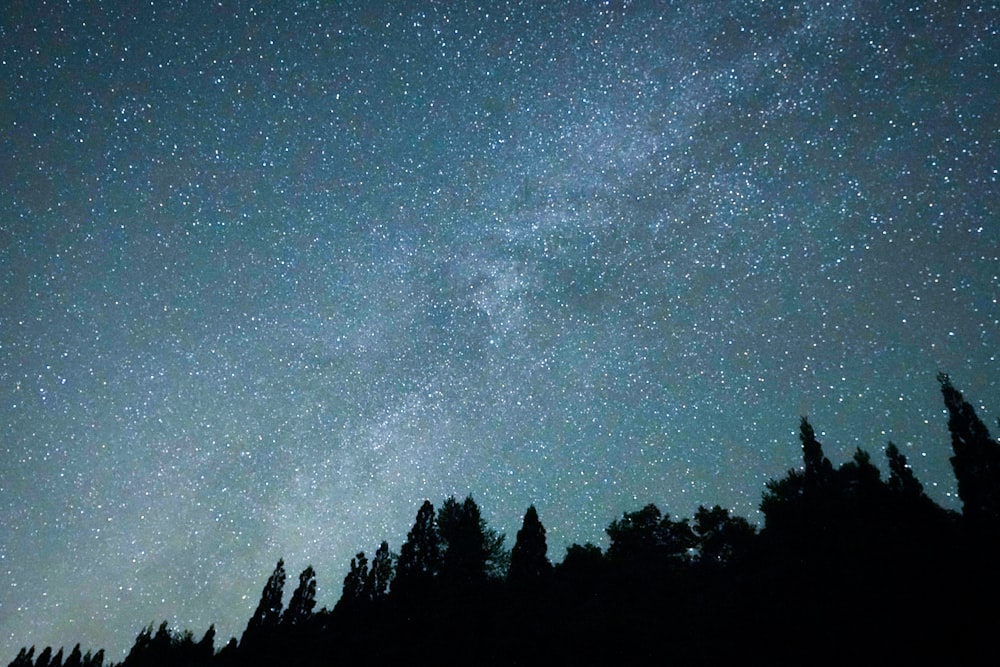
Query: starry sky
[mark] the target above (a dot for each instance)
(274, 273)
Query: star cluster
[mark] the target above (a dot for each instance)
(273, 274)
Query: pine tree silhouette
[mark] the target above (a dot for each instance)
(976, 459)
(24, 657)
(354, 582)
(303, 600)
(268, 613)
(420, 556)
(818, 469)
(529, 563)
(75, 657)
(380, 573)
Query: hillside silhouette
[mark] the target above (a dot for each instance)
(849, 568)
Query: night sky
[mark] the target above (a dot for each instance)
(272, 276)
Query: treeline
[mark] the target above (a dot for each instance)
(848, 568)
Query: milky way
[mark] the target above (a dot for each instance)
(273, 276)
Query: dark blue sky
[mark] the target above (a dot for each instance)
(274, 275)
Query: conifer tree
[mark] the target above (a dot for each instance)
(818, 469)
(354, 581)
(529, 563)
(303, 600)
(380, 574)
(976, 459)
(97, 660)
(268, 613)
(420, 556)
(24, 657)
(206, 646)
(161, 643)
(75, 657)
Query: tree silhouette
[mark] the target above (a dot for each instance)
(354, 582)
(24, 657)
(380, 573)
(902, 481)
(227, 655)
(529, 563)
(267, 616)
(303, 600)
(164, 648)
(801, 498)
(782, 503)
(648, 536)
(818, 469)
(721, 539)
(420, 556)
(471, 552)
(859, 483)
(140, 648)
(976, 459)
(204, 650)
(159, 647)
(75, 657)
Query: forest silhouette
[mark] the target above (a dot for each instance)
(848, 568)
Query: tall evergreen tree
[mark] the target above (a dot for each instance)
(420, 556)
(75, 657)
(818, 469)
(44, 658)
(98, 659)
(160, 645)
(140, 647)
(976, 459)
(205, 648)
(380, 573)
(303, 600)
(24, 657)
(529, 562)
(354, 582)
(268, 613)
